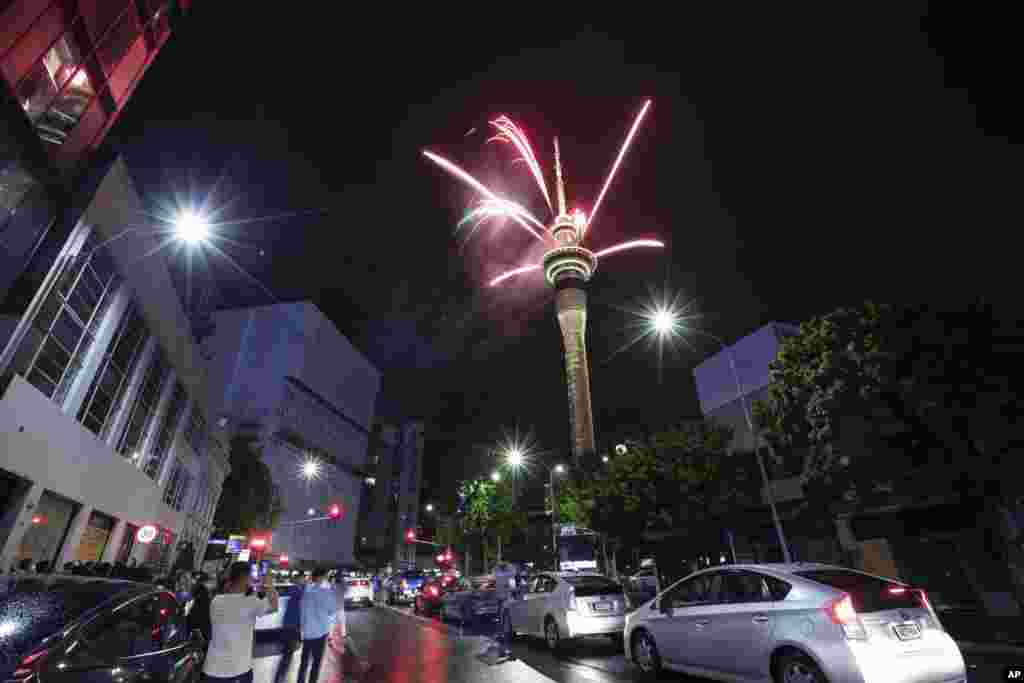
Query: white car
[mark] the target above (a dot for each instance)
(812, 623)
(560, 606)
(358, 590)
(644, 581)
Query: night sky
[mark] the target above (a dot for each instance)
(794, 162)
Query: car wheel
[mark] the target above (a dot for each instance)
(645, 653)
(551, 635)
(798, 668)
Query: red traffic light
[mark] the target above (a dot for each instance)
(410, 535)
(258, 543)
(334, 512)
(284, 559)
(440, 559)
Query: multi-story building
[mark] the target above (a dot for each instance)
(68, 69)
(396, 472)
(103, 403)
(287, 376)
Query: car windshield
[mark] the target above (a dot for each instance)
(34, 608)
(593, 585)
(869, 593)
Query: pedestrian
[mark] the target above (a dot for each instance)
(320, 608)
(199, 615)
(233, 617)
(504, 585)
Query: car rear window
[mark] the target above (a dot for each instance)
(869, 594)
(37, 607)
(593, 585)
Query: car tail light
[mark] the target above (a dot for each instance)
(572, 600)
(433, 591)
(28, 665)
(364, 584)
(840, 611)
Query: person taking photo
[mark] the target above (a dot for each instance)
(233, 616)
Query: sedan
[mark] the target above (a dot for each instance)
(465, 601)
(812, 623)
(560, 606)
(57, 627)
(358, 591)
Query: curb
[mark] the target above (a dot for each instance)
(969, 648)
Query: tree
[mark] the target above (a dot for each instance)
(249, 499)
(897, 399)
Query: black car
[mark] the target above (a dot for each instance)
(431, 593)
(66, 628)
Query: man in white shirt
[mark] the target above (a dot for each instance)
(233, 617)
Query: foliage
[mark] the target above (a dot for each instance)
(914, 394)
(249, 499)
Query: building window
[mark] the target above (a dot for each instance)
(57, 90)
(196, 432)
(172, 417)
(108, 387)
(65, 326)
(144, 407)
(173, 482)
(183, 487)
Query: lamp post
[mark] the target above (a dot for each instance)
(557, 469)
(665, 322)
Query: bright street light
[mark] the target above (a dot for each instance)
(664, 321)
(430, 507)
(515, 458)
(604, 458)
(191, 228)
(559, 468)
(495, 476)
(310, 469)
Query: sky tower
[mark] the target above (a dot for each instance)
(567, 264)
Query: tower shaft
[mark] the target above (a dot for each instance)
(571, 308)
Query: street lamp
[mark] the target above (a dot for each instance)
(665, 321)
(191, 228)
(430, 507)
(495, 476)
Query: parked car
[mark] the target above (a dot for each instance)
(560, 606)
(68, 628)
(284, 624)
(358, 590)
(466, 601)
(402, 588)
(793, 622)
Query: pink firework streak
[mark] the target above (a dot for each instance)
(481, 188)
(510, 132)
(618, 159)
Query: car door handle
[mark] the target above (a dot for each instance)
(760, 619)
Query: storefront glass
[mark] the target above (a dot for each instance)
(95, 538)
(51, 520)
(127, 543)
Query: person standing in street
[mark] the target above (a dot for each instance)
(320, 609)
(233, 617)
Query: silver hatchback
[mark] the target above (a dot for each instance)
(793, 623)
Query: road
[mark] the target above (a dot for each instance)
(404, 648)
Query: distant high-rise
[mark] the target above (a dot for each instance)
(67, 70)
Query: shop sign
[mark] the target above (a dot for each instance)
(146, 534)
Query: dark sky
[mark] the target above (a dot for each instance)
(794, 162)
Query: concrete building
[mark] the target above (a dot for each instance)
(284, 374)
(396, 472)
(103, 403)
(67, 71)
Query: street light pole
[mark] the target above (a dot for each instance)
(757, 451)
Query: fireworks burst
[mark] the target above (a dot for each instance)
(491, 206)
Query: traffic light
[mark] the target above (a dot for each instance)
(334, 512)
(410, 536)
(258, 544)
(284, 559)
(440, 558)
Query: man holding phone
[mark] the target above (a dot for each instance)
(233, 616)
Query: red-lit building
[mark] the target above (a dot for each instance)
(67, 68)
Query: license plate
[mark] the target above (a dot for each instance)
(603, 606)
(907, 631)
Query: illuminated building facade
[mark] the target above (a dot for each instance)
(104, 415)
(67, 70)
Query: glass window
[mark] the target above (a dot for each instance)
(869, 593)
(179, 399)
(585, 586)
(144, 406)
(196, 432)
(67, 321)
(183, 486)
(111, 380)
(173, 481)
(119, 38)
(699, 590)
(777, 588)
(129, 631)
(743, 587)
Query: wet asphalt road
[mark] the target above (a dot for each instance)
(405, 648)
